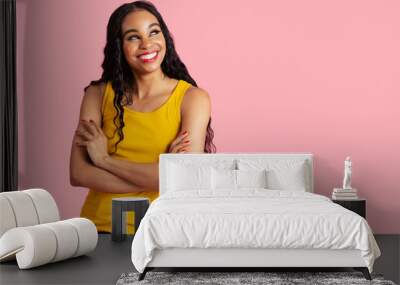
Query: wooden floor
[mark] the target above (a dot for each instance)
(111, 259)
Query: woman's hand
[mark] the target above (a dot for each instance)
(89, 135)
(180, 143)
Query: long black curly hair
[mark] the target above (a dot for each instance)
(117, 70)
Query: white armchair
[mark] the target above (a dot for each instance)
(31, 230)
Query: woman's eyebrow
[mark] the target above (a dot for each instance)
(134, 30)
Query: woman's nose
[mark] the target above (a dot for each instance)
(145, 43)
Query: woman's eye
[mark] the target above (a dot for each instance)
(135, 37)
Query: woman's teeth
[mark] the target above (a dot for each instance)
(148, 56)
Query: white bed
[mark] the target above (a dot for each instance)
(212, 225)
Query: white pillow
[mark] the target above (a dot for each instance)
(236, 179)
(251, 178)
(282, 174)
(182, 177)
(205, 160)
(223, 179)
(288, 179)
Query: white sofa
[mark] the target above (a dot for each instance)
(31, 231)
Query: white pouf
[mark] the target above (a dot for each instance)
(31, 232)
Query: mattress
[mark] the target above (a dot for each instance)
(250, 218)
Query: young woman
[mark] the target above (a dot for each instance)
(144, 104)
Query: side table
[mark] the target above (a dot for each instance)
(358, 206)
(120, 206)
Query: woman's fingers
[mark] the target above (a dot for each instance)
(90, 127)
(79, 142)
(178, 147)
(179, 139)
(182, 150)
(97, 128)
(183, 146)
(83, 132)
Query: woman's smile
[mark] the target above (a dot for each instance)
(148, 57)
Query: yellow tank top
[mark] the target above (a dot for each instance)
(146, 135)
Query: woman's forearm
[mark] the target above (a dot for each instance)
(141, 174)
(93, 177)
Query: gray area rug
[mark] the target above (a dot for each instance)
(230, 278)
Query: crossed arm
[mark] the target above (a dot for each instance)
(92, 167)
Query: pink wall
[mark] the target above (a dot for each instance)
(309, 76)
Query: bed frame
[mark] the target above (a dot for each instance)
(241, 259)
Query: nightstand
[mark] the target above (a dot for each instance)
(358, 206)
(120, 208)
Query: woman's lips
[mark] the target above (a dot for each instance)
(149, 57)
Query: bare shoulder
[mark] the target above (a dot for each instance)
(91, 102)
(95, 92)
(197, 91)
(196, 97)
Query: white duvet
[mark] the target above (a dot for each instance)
(250, 218)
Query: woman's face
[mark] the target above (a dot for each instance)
(141, 34)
